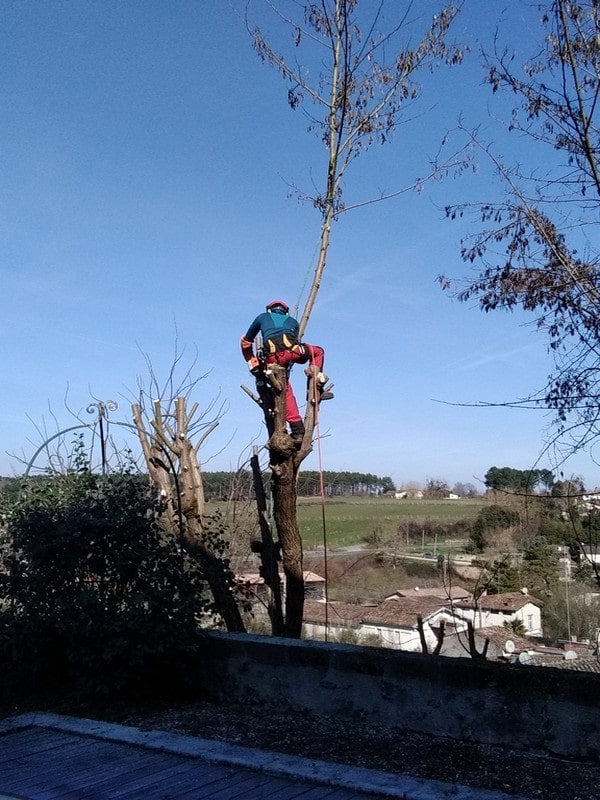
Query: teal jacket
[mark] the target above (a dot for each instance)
(271, 325)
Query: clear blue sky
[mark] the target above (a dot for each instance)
(146, 156)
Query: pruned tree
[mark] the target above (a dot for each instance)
(537, 247)
(355, 81)
(171, 434)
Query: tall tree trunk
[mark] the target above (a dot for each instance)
(268, 552)
(284, 481)
(286, 456)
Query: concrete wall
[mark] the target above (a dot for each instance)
(537, 709)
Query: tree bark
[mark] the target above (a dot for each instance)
(174, 469)
(285, 460)
(268, 553)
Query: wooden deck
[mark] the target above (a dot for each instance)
(38, 763)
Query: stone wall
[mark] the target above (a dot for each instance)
(538, 709)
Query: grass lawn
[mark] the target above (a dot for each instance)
(349, 520)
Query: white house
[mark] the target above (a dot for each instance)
(333, 621)
(590, 553)
(395, 622)
(496, 609)
(392, 623)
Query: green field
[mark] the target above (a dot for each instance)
(349, 520)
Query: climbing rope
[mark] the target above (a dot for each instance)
(323, 516)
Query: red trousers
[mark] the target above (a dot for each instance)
(299, 355)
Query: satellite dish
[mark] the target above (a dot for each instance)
(524, 657)
(509, 646)
(570, 655)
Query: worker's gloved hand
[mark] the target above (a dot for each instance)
(254, 365)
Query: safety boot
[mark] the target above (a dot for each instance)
(297, 431)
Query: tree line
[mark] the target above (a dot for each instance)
(223, 485)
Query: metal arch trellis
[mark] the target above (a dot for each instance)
(102, 411)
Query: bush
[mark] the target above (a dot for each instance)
(97, 600)
(491, 518)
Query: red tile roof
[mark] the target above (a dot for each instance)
(346, 614)
(441, 592)
(499, 635)
(510, 601)
(403, 612)
(255, 579)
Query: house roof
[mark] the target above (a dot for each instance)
(395, 613)
(346, 614)
(499, 636)
(255, 579)
(580, 664)
(402, 612)
(509, 601)
(440, 592)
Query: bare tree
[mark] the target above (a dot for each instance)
(355, 83)
(538, 248)
(171, 434)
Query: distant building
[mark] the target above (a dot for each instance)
(333, 621)
(394, 622)
(254, 585)
(590, 553)
(496, 609)
(412, 494)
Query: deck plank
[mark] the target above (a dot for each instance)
(48, 764)
(70, 787)
(171, 781)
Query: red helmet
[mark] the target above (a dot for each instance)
(278, 304)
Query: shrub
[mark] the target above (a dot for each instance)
(97, 600)
(493, 517)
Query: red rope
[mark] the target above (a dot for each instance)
(322, 487)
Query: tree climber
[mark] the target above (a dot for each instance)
(280, 345)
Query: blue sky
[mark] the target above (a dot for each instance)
(146, 156)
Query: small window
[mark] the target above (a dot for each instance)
(529, 622)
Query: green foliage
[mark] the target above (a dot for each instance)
(490, 518)
(504, 577)
(556, 531)
(572, 488)
(571, 613)
(540, 566)
(516, 626)
(338, 484)
(239, 485)
(228, 485)
(96, 599)
(523, 481)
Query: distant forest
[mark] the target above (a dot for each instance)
(238, 485)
